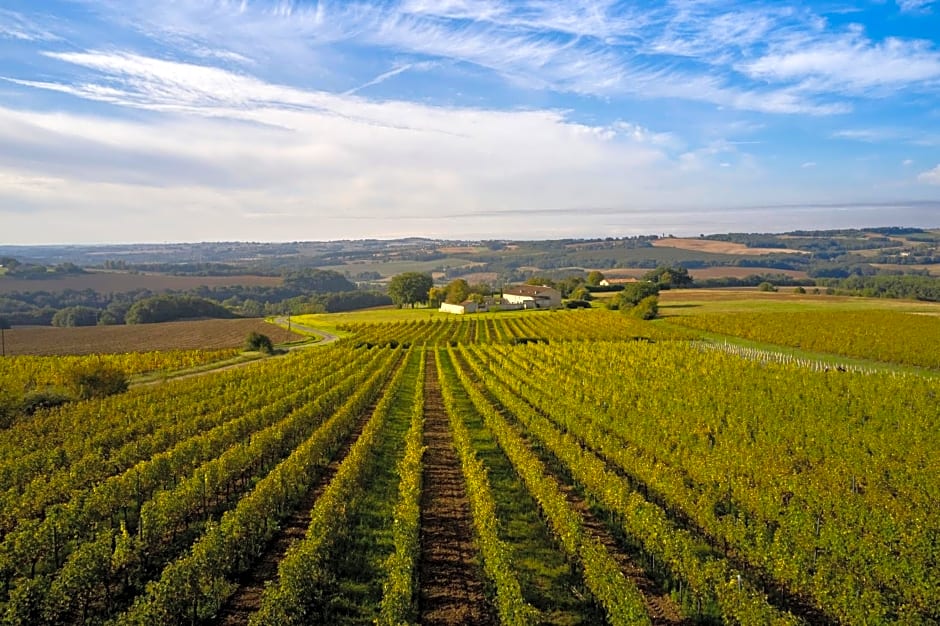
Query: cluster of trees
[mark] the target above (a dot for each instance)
(410, 288)
(457, 291)
(640, 299)
(170, 308)
(14, 268)
(302, 291)
(907, 286)
(754, 280)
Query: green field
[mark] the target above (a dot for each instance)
(562, 467)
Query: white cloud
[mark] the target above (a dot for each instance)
(851, 62)
(868, 135)
(599, 48)
(808, 164)
(931, 177)
(228, 153)
(15, 25)
(907, 162)
(915, 5)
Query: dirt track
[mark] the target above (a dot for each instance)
(450, 580)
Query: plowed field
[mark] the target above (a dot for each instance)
(201, 334)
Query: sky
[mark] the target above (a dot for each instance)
(277, 120)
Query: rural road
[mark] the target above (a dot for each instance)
(325, 337)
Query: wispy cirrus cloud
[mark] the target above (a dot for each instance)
(260, 109)
(225, 143)
(915, 6)
(15, 25)
(740, 58)
(850, 62)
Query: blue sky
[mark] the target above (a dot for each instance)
(208, 120)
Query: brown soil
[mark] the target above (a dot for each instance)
(195, 335)
(452, 590)
(718, 247)
(741, 272)
(247, 598)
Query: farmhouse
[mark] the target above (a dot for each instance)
(532, 296)
(467, 306)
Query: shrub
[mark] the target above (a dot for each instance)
(43, 399)
(766, 286)
(260, 343)
(577, 304)
(646, 309)
(97, 381)
(632, 295)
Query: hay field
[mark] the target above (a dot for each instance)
(719, 247)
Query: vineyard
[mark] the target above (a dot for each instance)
(532, 327)
(574, 467)
(890, 336)
(24, 372)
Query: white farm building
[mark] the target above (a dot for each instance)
(532, 296)
(468, 306)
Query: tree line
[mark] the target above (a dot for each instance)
(303, 291)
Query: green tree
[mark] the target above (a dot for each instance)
(567, 285)
(410, 288)
(483, 289)
(319, 281)
(169, 308)
(669, 277)
(457, 291)
(594, 278)
(646, 309)
(766, 286)
(436, 295)
(632, 294)
(541, 281)
(257, 342)
(75, 316)
(581, 293)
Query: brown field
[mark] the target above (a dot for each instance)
(718, 247)
(117, 282)
(742, 272)
(201, 334)
(708, 272)
(458, 250)
(624, 272)
(480, 277)
(934, 269)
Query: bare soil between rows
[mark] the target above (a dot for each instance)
(451, 583)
